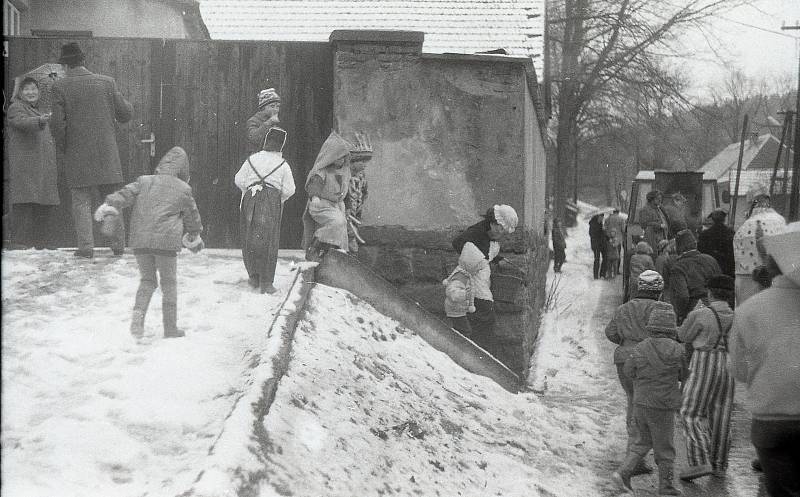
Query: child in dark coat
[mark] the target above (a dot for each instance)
(559, 246)
(657, 366)
(164, 218)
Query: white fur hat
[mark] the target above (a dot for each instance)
(785, 249)
(506, 217)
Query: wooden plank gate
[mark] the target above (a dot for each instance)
(198, 94)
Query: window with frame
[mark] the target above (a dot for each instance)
(10, 19)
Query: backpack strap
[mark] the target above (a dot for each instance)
(723, 334)
(262, 179)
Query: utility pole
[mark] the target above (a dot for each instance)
(794, 195)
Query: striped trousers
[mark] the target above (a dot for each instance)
(706, 409)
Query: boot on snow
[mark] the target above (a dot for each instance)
(665, 478)
(170, 318)
(693, 472)
(137, 323)
(622, 480)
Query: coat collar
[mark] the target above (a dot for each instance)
(77, 71)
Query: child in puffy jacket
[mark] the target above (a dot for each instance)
(657, 366)
(459, 298)
(641, 261)
(164, 218)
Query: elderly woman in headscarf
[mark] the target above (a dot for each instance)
(653, 219)
(498, 221)
(266, 182)
(269, 105)
(32, 161)
(324, 221)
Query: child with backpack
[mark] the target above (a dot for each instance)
(164, 217)
(459, 297)
(657, 366)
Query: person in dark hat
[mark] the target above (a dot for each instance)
(86, 107)
(708, 393)
(689, 274)
(717, 241)
(269, 105)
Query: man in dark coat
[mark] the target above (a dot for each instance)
(689, 274)
(717, 241)
(597, 238)
(85, 107)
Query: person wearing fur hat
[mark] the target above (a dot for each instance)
(641, 261)
(266, 182)
(269, 105)
(498, 221)
(764, 345)
(86, 108)
(459, 297)
(164, 218)
(626, 329)
(657, 366)
(689, 274)
(762, 220)
(708, 393)
(717, 241)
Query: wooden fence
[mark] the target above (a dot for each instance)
(198, 95)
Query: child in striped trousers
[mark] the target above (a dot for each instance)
(708, 393)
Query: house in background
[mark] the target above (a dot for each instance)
(758, 161)
(511, 27)
(104, 18)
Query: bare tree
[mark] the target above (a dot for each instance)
(602, 42)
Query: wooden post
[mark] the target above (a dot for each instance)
(787, 124)
(738, 172)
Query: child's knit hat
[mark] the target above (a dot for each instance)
(643, 248)
(662, 321)
(650, 281)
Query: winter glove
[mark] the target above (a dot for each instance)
(193, 242)
(471, 309)
(103, 211)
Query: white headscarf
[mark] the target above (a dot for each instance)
(506, 217)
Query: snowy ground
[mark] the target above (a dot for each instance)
(87, 411)
(367, 408)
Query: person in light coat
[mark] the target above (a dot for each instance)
(32, 168)
(458, 289)
(266, 182)
(765, 340)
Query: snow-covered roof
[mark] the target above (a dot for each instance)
(450, 26)
(728, 158)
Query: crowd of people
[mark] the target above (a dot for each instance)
(681, 351)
